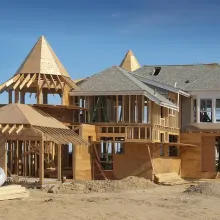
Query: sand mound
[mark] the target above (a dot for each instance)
(106, 186)
(206, 188)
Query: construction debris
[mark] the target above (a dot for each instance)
(206, 188)
(13, 192)
(106, 186)
(169, 179)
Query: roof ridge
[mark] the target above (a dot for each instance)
(18, 105)
(130, 77)
(196, 64)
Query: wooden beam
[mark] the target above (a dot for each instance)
(12, 129)
(25, 81)
(5, 128)
(61, 85)
(54, 84)
(19, 129)
(18, 81)
(46, 81)
(31, 80)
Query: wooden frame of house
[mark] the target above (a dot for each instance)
(123, 121)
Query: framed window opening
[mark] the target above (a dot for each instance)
(206, 110)
(172, 111)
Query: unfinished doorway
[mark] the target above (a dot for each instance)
(208, 153)
(217, 153)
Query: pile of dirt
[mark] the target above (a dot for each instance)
(106, 186)
(206, 188)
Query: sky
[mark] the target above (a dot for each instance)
(91, 35)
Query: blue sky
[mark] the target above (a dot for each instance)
(89, 36)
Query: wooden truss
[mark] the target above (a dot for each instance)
(39, 80)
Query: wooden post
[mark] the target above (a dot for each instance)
(3, 156)
(116, 113)
(25, 160)
(129, 108)
(41, 167)
(59, 165)
(35, 161)
(16, 157)
(39, 96)
(11, 156)
(10, 96)
(16, 96)
(29, 159)
(73, 161)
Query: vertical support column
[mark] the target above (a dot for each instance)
(22, 96)
(16, 157)
(11, 156)
(10, 96)
(29, 158)
(39, 96)
(3, 156)
(59, 167)
(25, 159)
(35, 160)
(198, 110)
(149, 111)
(41, 167)
(65, 95)
(136, 113)
(16, 96)
(213, 110)
(73, 161)
(116, 108)
(129, 109)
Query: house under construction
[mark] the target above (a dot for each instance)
(126, 120)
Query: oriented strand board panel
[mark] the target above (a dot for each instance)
(208, 154)
(82, 163)
(165, 164)
(191, 157)
(82, 157)
(135, 161)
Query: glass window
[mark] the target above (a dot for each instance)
(205, 110)
(173, 151)
(217, 111)
(194, 110)
(171, 111)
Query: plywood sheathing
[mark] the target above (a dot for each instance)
(134, 161)
(130, 62)
(81, 156)
(198, 162)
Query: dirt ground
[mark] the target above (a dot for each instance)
(159, 202)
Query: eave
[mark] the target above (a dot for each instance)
(161, 85)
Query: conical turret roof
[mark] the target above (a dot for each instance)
(42, 59)
(130, 62)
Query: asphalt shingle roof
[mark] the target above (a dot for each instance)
(181, 75)
(117, 79)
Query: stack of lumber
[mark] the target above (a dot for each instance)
(13, 192)
(169, 179)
